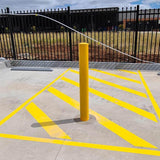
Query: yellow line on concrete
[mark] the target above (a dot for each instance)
(82, 144)
(115, 85)
(30, 99)
(53, 130)
(117, 76)
(115, 128)
(64, 97)
(128, 71)
(121, 103)
(154, 103)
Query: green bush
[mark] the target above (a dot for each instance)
(62, 28)
(6, 29)
(120, 27)
(74, 27)
(33, 28)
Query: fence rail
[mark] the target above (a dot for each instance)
(130, 30)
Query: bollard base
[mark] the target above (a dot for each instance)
(91, 120)
(84, 120)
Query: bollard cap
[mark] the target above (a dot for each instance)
(83, 43)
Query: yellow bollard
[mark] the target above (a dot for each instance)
(84, 94)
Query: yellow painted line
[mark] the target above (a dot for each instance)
(121, 103)
(64, 97)
(154, 103)
(30, 99)
(118, 76)
(128, 71)
(53, 130)
(115, 128)
(116, 85)
(82, 144)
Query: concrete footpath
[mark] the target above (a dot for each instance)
(39, 115)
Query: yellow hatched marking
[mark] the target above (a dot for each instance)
(115, 128)
(123, 104)
(53, 130)
(115, 85)
(64, 97)
(30, 99)
(128, 71)
(117, 76)
(82, 144)
(154, 103)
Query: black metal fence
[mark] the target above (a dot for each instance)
(130, 30)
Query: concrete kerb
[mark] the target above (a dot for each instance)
(4, 63)
(75, 64)
(97, 65)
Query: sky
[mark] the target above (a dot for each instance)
(76, 4)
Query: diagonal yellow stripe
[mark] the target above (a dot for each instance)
(154, 103)
(30, 99)
(53, 130)
(117, 76)
(128, 71)
(116, 85)
(82, 144)
(115, 128)
(116, 101)
(64, 97)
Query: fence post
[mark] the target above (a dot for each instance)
(92, 27)
(11, 33)
(136, 33)
(70, 41)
